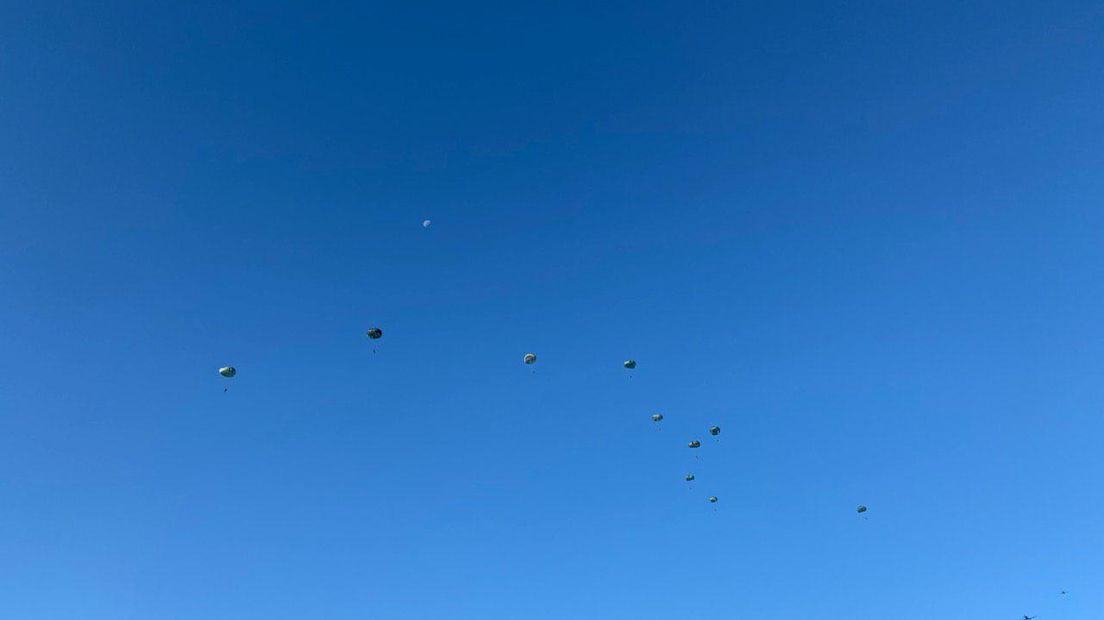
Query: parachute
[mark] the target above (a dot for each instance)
(860, 509)
(228, 372)
(713, 499)
(694, 444)
(657, 417)
(529, 359)
(630, 364)
(426, 223)
(374, 333)
(690, 477)
(714, 430)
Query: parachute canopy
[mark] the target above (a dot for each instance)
(656, 417)
(694, 444)
(630, 364)
(689, 477)
(228, 371)
(375, 333)
(713, 500)
(714, 430)
(529, 358)
(860, 509)
(426, 223)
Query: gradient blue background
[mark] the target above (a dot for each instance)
(865, 238)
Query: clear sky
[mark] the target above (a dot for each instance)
(863, 237)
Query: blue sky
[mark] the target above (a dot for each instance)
(864, 238)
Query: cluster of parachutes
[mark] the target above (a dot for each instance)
(375, 333)
(693, 444)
